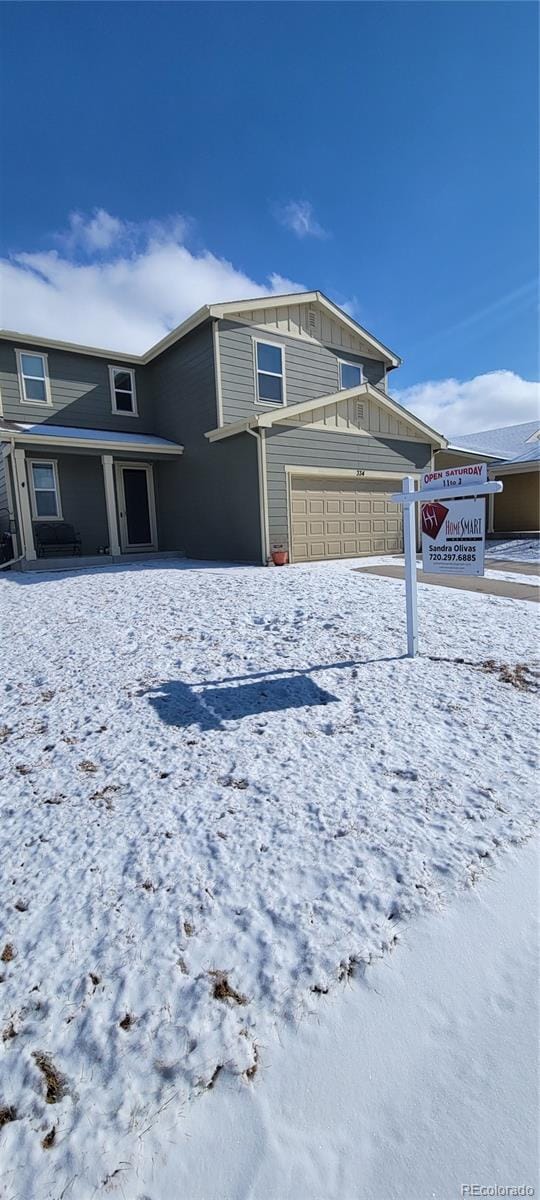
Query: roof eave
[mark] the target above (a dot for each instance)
(45, 440)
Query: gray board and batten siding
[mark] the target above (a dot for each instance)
(311, 369)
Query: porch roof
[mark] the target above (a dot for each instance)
(95, 439)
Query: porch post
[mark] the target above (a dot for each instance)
(110, 501)
(23, 503)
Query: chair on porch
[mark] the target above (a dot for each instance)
(56, 538)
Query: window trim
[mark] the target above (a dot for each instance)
(276, 374)
(345, 362)
(113, 390)
(22, 387)
(44, 462)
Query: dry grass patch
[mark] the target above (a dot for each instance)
(7, 1113)
(56, 1084)
(521, 676)
(231, 782)
(49, 1138)
(222, 989)
(8, 953)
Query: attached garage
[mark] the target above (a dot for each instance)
(342, 518)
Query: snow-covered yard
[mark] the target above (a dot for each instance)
(224, 791)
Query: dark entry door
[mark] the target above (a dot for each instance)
(137, 514)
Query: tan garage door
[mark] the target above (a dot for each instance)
(340, 518)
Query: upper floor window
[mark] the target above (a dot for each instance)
(350, 375)
(33, 377)
(270, 373)
(45, 492)
(124, 399)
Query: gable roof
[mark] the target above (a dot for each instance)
(530, 455)
(273, 416)
(215, 311)
(505, 442)
(234, 307)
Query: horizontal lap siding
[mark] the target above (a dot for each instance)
(80, 392)
(312, 449)
(207, 500)
(82, 496)
(311, 370)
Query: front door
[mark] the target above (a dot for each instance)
(136, 506)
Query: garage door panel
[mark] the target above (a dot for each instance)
(339, 518)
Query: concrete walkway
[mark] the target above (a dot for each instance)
(507, 564)
(464, 583)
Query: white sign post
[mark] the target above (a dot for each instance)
(453, 526)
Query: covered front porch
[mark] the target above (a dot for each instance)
(83, 497)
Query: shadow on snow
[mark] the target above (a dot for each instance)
(180, 704)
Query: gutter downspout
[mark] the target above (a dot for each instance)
(258, 434)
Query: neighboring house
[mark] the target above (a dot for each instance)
(253, 424)
(513, 456)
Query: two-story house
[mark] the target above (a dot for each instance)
(253, 424)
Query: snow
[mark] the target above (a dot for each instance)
(96, 435)
(513, 577)
(515, 550)
(505, 442)
(412, 1080)
(226, 779)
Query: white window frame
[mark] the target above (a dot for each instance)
(126, 371)
(45, 378)
(276, 374)
(345, 362)
(44, 462)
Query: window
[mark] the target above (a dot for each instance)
(45, 492)
(350, 375)
(33, 378)
(123, 391)
(270, 374)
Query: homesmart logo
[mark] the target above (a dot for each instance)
(433, 518)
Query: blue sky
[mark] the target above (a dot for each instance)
(384, 153)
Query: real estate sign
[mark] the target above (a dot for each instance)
(454, 530)
(455, 477)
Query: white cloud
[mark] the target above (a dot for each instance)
(95, 233)
(298, 216)
(454, 406)
(135, 284)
